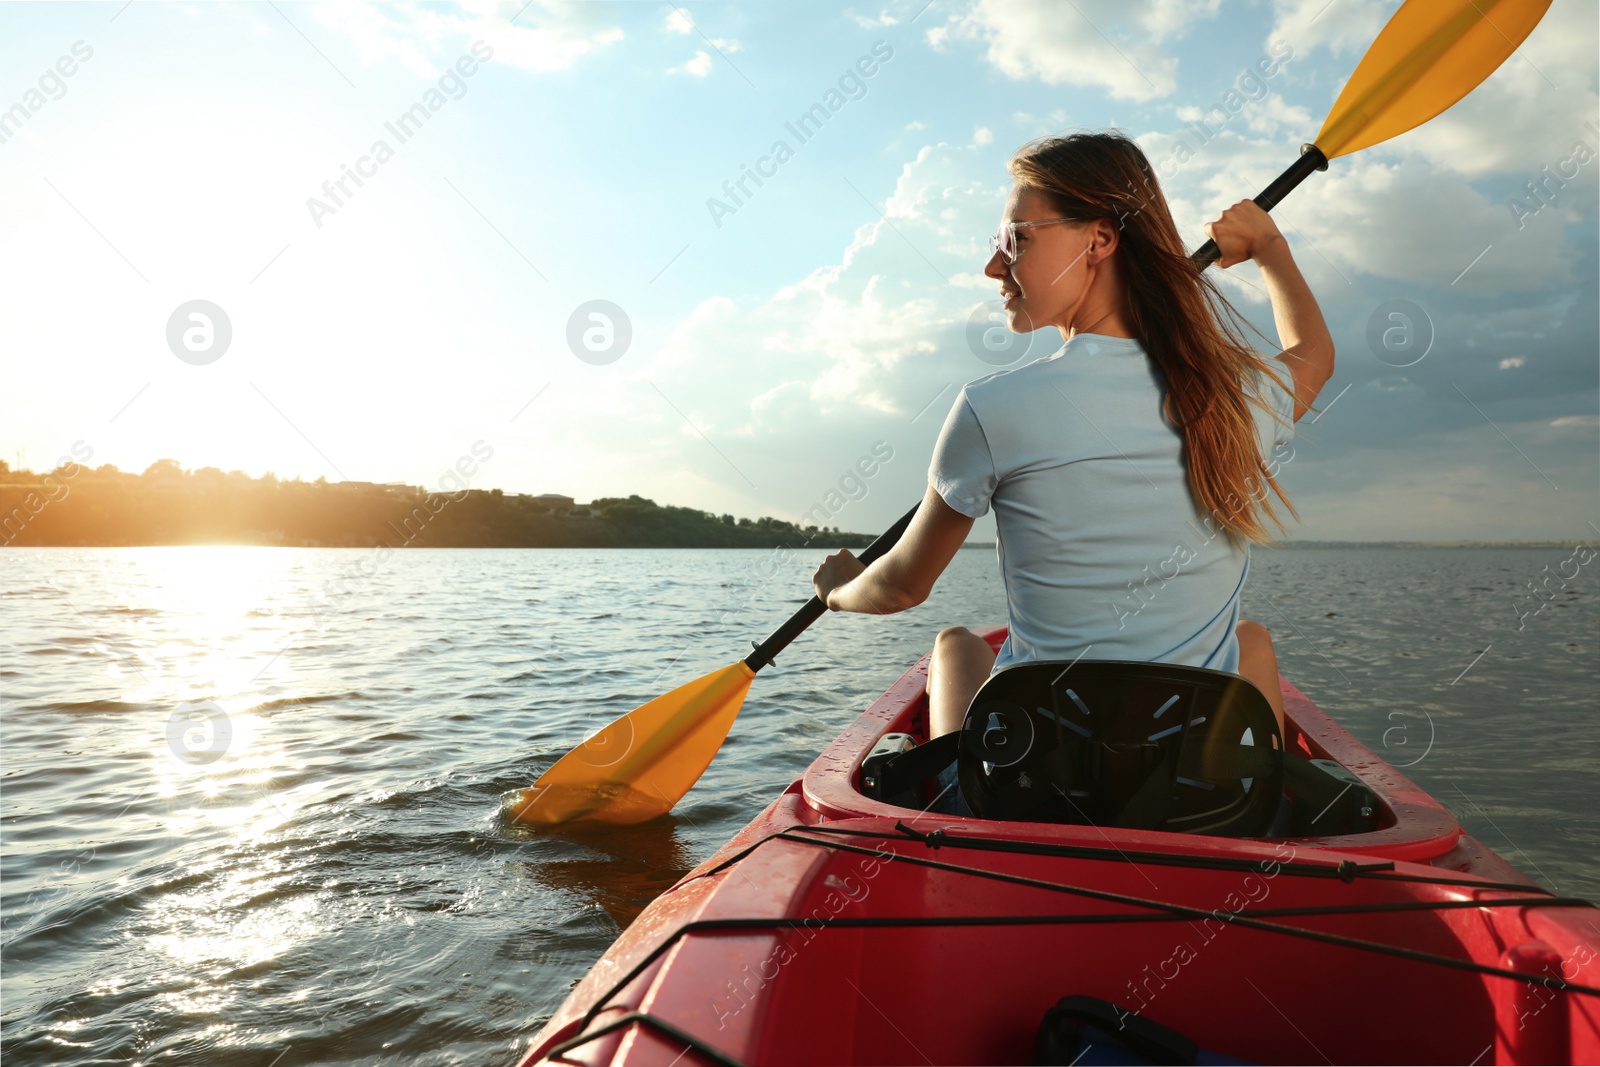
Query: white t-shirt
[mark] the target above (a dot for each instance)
(1102, 551)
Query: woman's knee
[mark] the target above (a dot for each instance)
(1254, 633)
(961, 662)
(954, 642)
(957, 644)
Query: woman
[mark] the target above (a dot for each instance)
(1127, 470)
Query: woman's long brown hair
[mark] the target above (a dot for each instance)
(1184, 322)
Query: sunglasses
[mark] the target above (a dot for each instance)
(1004, 240)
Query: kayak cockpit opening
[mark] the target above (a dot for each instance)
(1151, 746)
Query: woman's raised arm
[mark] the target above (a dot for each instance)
(1244, 232)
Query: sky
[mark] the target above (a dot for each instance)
(414, 228)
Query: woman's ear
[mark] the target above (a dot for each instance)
(1104, 237)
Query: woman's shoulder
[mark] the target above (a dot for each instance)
(1062, 367)
(1021, 376)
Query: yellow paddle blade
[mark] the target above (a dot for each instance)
(1431, 54)
(639, 766)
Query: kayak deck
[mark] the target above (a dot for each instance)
(839, 929)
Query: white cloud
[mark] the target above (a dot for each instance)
(1272, 114)
(1169, 18)
(1514, 361)
(1344, 27)
(982, 135)
(1111, 45)
(699, 65)
(679, 21)
(871, 23)
(547, 36)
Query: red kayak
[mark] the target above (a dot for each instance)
(836, 929)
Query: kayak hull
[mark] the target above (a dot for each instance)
(839, 929)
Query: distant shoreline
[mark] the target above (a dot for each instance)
(77, 507)
(166, 506)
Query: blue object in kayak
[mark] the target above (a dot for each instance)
(1087, 1030)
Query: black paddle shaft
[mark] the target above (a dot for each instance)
(1311, 158)
(814, 609)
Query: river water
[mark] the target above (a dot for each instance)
(250, 795)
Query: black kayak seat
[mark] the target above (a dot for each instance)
(1118, 743)
(1129, 744)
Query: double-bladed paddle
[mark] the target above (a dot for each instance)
(1430, 54)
